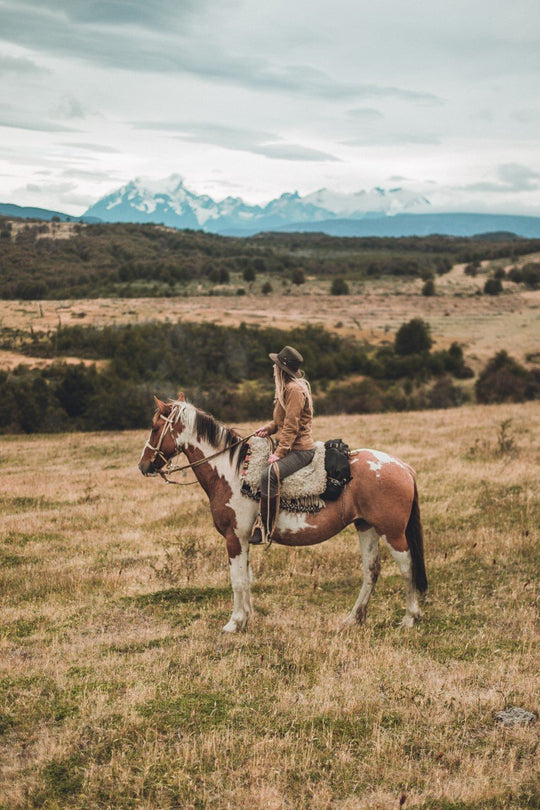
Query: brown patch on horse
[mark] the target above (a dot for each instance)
(378, 498)
(163, 408)
(220, 492)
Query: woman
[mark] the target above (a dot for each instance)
(292, 421)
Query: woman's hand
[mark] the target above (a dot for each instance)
(262, 432)
(272, 458)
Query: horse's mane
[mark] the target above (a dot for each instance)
(217, 435)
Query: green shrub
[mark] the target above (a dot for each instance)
(505, 380)
(413, 337)
(298, 276)
(339, 287)
(444, 394)
(529, 275)
(493, 286)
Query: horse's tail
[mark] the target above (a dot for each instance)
(415, 540)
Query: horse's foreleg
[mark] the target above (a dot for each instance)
(369, 547)
(404, 563)
(241, 582)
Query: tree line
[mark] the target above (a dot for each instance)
(125, 260)
(227, 371)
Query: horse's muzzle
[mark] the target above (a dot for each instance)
(147, 468)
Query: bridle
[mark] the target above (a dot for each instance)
(168, 469)
(157, 450)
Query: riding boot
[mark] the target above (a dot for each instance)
(263, 528)
(270, 513)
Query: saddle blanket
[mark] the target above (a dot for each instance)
(299, 492)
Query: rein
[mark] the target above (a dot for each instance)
(169, 469)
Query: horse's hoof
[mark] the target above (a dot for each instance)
(409, 620)
(234, 626)
(352, 620)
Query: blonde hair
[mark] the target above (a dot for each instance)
(281, 379)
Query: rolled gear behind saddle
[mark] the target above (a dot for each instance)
(338, 468)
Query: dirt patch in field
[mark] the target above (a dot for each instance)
(10, 360)
(48, 230)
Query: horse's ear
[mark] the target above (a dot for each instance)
(161, 406)
(181, 397)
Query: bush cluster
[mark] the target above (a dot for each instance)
(529, 275)
(224, 370)
(505, 380)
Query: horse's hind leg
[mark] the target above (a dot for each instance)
(369, 547)
(404, 563)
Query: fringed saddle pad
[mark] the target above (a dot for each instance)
(300, 492)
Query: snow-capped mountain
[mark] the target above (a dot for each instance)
(169, 202)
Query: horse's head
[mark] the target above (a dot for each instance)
(165, 440)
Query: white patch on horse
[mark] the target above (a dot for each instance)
(291, 522)
(240, 581)
(380, 460)
(188, 413)
(404, 563)
(244, 508)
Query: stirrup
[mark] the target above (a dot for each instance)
(258, 534)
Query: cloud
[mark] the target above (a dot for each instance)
(69, 108)
(55, 188)
(92, 147)
(527, 116)
(387, 138)
(518, 177)
(13, 119)
(170, 38)
(389, 91)
(291, 151)
(239, 139)
(364, 114)
(150, 14)
(513, 178)
(19, 66)
(84, 174)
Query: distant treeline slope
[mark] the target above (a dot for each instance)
(107, 260)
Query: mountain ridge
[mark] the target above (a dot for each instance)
(393, 212)
(170, 202)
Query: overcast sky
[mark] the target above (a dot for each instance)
(251, 98)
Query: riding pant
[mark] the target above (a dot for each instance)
(289, 464)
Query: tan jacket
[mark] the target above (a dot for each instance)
(292, 424)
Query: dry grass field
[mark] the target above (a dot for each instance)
(118, 690)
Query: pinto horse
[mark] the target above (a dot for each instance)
(381, 500)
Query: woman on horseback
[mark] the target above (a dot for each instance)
(292, 421)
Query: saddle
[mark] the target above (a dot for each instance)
(306, 490)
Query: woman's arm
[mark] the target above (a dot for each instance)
(266, 430)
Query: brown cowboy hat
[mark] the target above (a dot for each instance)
(288, 360)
